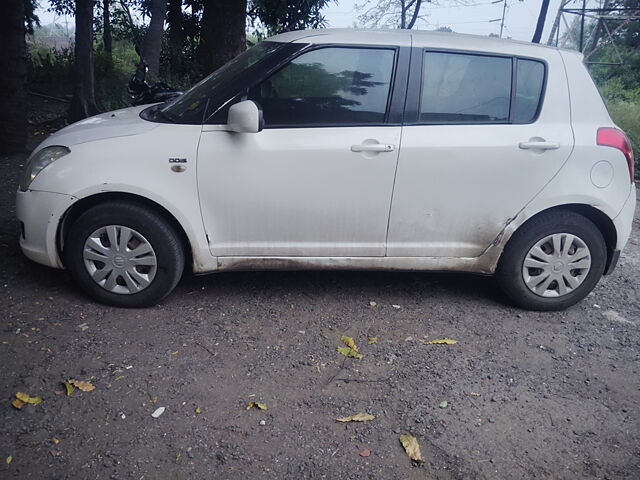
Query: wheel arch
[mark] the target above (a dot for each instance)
(82, 205)
(600, 219)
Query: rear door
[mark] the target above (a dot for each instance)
(483, 134)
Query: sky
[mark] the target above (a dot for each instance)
(463, 16)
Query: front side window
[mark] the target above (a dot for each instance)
(463, 88)
(191, 107)
(328, 87)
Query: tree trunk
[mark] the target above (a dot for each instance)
(416, 12)
(223, 34)
(107, 39)
(537, 35)
(403, 14)
(13, 62)
(83, 103)
(175, 19)
(153, 38)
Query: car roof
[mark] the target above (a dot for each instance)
(416, 38)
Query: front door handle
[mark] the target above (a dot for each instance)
(373, 147)
(539, 145)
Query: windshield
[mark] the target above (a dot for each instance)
(191, 107)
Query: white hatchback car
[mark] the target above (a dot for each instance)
(345, 149)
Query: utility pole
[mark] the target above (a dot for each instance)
(504, 11)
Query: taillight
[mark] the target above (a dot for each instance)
(612, 137)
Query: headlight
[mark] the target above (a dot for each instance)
(39, 161)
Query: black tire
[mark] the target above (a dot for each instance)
(163, 238)
(509, 271)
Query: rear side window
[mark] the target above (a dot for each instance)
(469, 88)
(328, 87)
(529, 83)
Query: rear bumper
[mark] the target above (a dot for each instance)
(40, 214)
(624, 221)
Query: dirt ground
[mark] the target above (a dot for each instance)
(530, 395)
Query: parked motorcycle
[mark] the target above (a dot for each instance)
(142, 93)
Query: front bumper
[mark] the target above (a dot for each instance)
(40, 214)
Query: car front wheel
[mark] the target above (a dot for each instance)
(124, 254)
(552, 262)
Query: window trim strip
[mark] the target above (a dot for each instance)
(414, 92)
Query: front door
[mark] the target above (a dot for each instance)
(318, 180)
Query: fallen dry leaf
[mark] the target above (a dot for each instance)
(261, 406)
(68, 388)
(351, 349)
(410, 444)
(349, 352)
(198, 410)
(358, 417)
(372, 340)
(440, 341)
(8, 459)
(55, 440)
(84, 386)
(365, 453)
(24, 397)
(17, 403)
(349, 342)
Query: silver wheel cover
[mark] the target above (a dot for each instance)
(119, 259)
(556, 265)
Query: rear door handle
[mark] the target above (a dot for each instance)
(539, 145)
(373, 147)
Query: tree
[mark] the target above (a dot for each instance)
(223, 36)
(390, 13)
(279, 16)
(107, 38)
(542, 16)
(13, 62)
(83, 103)
(175, 19)
(153, 39)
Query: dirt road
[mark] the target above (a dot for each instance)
(529, 395)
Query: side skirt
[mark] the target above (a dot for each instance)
(443, 264)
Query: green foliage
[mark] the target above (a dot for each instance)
(276, 16)
(112, 75)
(627, 116)
(46, 65)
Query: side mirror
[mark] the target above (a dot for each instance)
(245, 117)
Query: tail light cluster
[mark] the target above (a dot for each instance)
(613, 137)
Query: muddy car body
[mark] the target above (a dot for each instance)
(345, 149)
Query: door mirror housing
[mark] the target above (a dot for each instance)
(245, 117)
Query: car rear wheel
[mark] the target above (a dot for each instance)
(124, 254)
(552, 262)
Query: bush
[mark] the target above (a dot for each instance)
(627, 116)
(46, 65)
